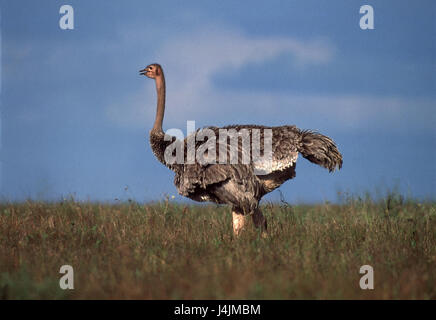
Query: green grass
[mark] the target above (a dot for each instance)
(172, 251)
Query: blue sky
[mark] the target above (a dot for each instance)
(75, 115)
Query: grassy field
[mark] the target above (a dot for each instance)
(169, 250)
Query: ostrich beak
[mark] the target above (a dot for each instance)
(142, 72)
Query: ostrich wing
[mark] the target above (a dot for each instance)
(192, 177)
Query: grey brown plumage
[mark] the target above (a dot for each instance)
(209, 182)
(240, 185)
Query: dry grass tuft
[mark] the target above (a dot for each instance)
(173, 251)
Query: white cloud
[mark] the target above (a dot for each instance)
(191, 60)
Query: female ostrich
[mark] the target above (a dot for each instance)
(239, 185)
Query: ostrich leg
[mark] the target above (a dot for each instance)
(259, 221)
(239, 221)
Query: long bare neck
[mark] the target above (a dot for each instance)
(157, 136)
(160, 109)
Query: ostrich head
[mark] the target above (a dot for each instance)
(152, 71)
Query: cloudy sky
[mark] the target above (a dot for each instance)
(75, 115)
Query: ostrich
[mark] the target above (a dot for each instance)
(239, 185)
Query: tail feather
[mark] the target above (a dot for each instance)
(320, 149)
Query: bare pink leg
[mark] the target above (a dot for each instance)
(239, 222)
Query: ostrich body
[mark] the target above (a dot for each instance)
(239, 185)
